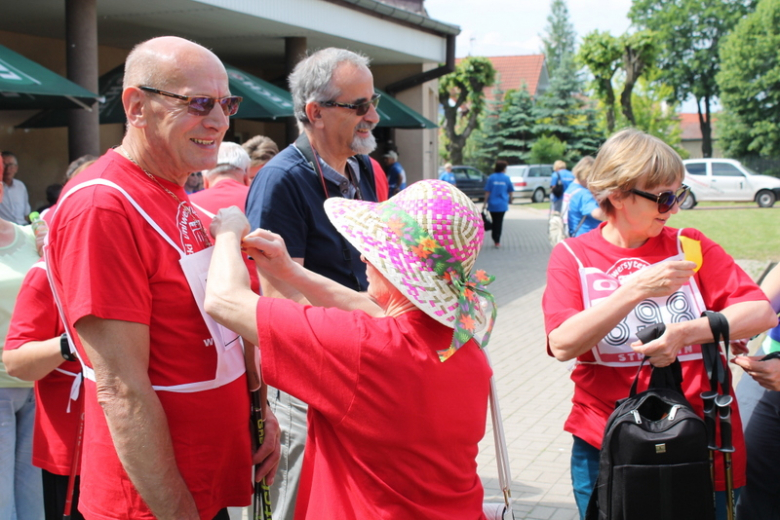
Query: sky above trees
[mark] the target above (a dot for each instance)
(509, 27)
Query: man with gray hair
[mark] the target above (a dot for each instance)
(335, 104)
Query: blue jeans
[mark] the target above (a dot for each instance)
(585, 471)
(21, 489)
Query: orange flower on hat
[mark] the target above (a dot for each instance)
(421, 251)
(482, 276)
(467, 322)
(468, 293)
(396, 226)
(428, 244)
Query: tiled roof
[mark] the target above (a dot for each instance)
(689, 123)
(512, 71)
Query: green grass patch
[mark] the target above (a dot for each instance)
(746, 234)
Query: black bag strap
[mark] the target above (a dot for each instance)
(669, 377)
(713, 364)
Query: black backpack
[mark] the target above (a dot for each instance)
(654, 460)
(557, 188)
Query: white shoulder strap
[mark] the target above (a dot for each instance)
(144, 214)
(499, 439)
(203, 210)
(572, 253)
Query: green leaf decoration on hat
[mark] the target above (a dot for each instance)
(445, 265)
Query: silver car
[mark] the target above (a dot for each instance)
(531, 180)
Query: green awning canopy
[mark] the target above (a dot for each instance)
(262, 100)
(25, 85)
(395, 114)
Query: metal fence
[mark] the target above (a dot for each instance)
(766, 166)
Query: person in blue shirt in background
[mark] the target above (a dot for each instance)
(498, 197)
(396, 176)
(560, 173)
(447, 175)
(583, 211)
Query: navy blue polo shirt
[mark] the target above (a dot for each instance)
(287, 198)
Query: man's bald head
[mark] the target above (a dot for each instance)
(164, 61)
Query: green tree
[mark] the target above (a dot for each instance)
(515, 131)
(748, 81)
(653, 114)
(562, 113)
(547, 149)
(601, 53)
(461, 96)
(639, 51)
(484, 145)
(560, 38)
(691, 32)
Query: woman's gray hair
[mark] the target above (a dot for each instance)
(312, 78)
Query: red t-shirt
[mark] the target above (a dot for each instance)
(380, 180)
(597, 387)
(393, 431)
(107, 261)
(35, 318)
(224, 194)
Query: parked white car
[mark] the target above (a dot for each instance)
(728, 180)
(531, 180)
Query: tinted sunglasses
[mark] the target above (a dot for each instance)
(667, 199)
(202, 105)
(360, 109)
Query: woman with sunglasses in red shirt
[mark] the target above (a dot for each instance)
(630, 272)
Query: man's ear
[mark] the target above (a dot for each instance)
(314, 113)
(133, 100)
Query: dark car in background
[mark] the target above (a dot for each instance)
(469, 180)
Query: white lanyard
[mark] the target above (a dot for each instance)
(230, 361)
(614, 349)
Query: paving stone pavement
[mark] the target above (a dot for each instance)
(534, 389)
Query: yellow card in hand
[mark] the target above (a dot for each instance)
(692, 250)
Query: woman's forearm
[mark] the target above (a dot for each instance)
(34, 360)
(580, 333)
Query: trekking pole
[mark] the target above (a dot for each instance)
(261, 502)
(74, 467)
(723, 403)
(710, 418)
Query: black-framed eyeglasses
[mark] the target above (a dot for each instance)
(202, 105)
(360, 109)
(666, 199)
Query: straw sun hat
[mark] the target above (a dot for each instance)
(425, 241)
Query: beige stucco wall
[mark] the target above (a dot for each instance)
(693, 147)
(417, 149)
(43, 153)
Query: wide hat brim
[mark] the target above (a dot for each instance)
(442, 210)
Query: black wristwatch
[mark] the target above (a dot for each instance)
(65, 348)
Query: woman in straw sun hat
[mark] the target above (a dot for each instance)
(395, 381)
